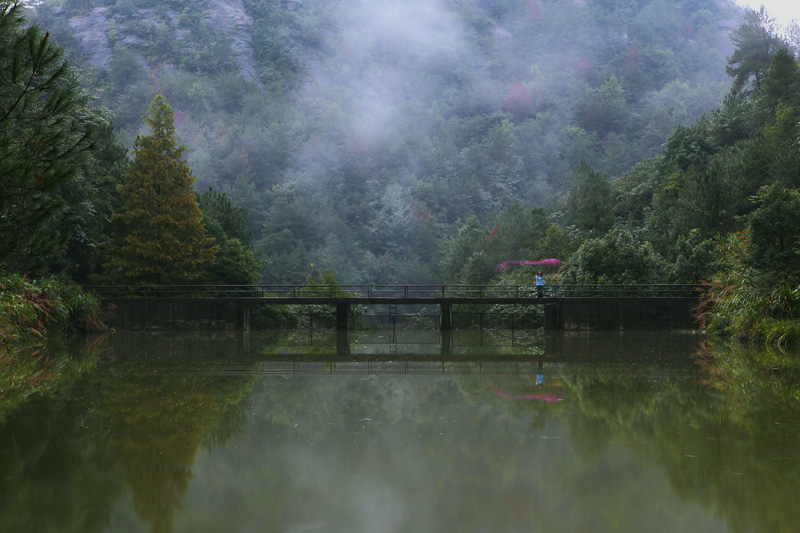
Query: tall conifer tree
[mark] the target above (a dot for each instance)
(44, 140)
(159, 237)
(756, 40)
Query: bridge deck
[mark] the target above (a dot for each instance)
(355, 300)
(404, 294)
(566, 306)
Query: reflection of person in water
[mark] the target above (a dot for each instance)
(539, 284)
(546, 397)
(539, 383)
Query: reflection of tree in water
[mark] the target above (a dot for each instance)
(752, 379)
(158, 424)
(43, 369)
(453, 447)
(749, 464)
(53, 479)
(728, 441)
(63, 456)
(378, 436)
(49, 480)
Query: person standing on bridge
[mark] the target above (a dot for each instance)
(540, 284)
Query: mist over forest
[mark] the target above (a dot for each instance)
(361, 135)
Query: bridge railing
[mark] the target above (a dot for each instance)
(378, 292)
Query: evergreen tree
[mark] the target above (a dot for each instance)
(159, 237)
(756, 40)
(464, 259)
(90, 199)
(781, 84)
(590, 200)
(235, 264)
(44, 140)
(775, 232)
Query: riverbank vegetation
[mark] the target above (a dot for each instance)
(31, 309)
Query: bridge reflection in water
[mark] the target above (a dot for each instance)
(307, 352)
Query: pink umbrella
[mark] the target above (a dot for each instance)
(543, 262)
(545, 397)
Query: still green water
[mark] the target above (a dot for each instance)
(403, 431)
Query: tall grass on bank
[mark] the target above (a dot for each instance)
(31, 309)
(749, 303)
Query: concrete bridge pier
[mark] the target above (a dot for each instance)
(244, 316)
(343, 316)
(446, 339)
(446, 316)
(343, 342)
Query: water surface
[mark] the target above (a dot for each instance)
(406, 431)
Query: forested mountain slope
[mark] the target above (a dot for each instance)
(361, 134)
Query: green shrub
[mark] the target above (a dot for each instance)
(30, 309)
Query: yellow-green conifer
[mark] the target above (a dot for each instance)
(159, 237)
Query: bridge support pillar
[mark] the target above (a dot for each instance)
(446, 337)
(244, 317)
(446, 316)
(343, 316)
(342, 342)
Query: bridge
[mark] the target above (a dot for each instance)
(577, 306)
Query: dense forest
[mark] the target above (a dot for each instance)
(644, 141)
(360, 136)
